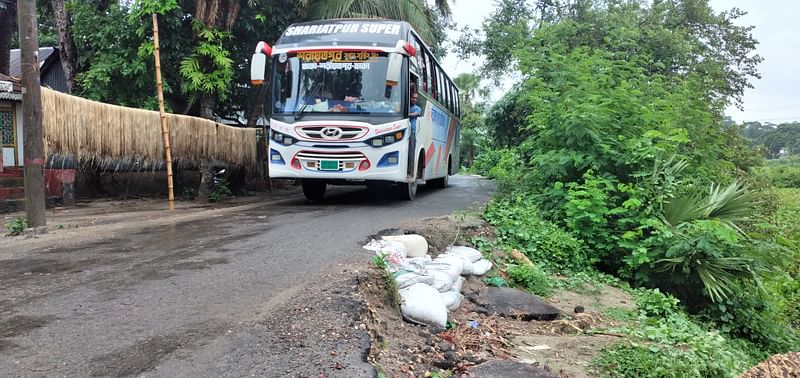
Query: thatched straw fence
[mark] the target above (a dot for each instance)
(90, 130)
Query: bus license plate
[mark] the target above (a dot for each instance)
(329, 165)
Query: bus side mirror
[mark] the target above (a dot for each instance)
(258, 66)
(393, 72)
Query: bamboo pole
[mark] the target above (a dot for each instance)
(164, 127)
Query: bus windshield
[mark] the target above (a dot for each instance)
(334, 81)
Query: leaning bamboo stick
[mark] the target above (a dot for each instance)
(164, 127)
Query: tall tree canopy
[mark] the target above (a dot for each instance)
(425, 19)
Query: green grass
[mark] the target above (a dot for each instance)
(789, 213)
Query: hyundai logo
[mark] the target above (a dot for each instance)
(331, 133)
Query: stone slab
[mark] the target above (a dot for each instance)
(509, 369)
(513, 303)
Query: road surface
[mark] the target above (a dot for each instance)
(264, 290)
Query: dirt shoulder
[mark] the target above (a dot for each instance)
(564, 347)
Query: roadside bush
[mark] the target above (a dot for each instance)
(652, 302)
(783, 173)
(673, 346)
(220, 192)
(502, 165)
(531, 278)
(756, 318)
(16, 226)
(519, 226)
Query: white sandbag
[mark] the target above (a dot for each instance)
(442, 281)
(458, 284)
(480, 267)
(468, 253)
(416, 245)
(466, 268)
(423, 304)
(451, 299)
(451, 264)
(394, 253)
(406, 278)
(417, 264)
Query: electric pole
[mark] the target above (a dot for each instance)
(32, 115)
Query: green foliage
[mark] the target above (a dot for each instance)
(209, 69)
(702, 358)
(781, 139)
(788, 217)
(501, 165)
(782, 173)
(416, 12)
(756, 318)
(531, 278)
(379, 262)
(654, 303)
(16, 226)
(220, 192)
(518, 225)
(613, 137)
(108, 52)
(670, 344)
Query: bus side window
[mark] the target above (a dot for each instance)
(458, 103)
(426, 74)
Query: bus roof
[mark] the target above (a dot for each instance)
(347, 32)
(366, 32)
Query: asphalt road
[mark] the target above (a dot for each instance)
(262, 291)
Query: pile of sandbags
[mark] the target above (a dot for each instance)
(428, 287)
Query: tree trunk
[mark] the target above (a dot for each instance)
(207, 103)
(255, 109)
(66, 46)
(7, 28)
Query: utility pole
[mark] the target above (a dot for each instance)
(32, 116)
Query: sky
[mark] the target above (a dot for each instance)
(775, 97)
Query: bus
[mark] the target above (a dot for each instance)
(339, 107)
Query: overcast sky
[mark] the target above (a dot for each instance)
(776, 96)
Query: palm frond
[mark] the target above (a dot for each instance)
(443, 6)
(682, 209)
(412, 11)
(323, 9)
(731, 204)
(718, 275)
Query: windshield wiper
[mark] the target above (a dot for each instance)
(298, 115)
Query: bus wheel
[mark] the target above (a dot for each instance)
(407, 191)
(314, 190)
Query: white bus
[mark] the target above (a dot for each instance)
(339, 107)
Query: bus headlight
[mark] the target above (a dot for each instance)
(282, 138)
(386, 139)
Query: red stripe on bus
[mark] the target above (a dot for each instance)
(429, 153)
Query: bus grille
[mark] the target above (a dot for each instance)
(321, 160)
(345, 132)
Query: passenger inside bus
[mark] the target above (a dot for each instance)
(414, 112)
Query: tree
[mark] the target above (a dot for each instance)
(8, 13)
(785, 138)
(674, 38)
(66, 45)
(416, 12)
